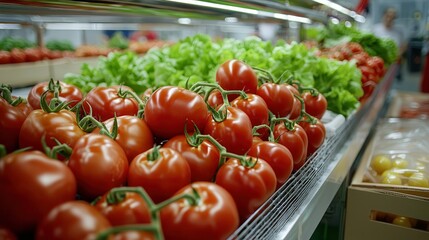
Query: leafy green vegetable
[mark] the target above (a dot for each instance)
(9, 43)
(60, 45)
(118, 41)
(197, 58)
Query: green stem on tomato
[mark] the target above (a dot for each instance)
(55, 104)
(303, 113)
(256, 128)
(153, 154)
(6, 94)
(3, 151)
(124, 93)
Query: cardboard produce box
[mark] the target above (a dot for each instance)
(389, 194)
(62, 66)
(409, 105)
(25, 74)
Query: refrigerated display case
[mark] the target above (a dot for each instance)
(295, 210)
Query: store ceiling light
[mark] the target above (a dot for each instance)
(243, 10)
(231, 19)
(184, 20)
(9, 26)
(341, 9)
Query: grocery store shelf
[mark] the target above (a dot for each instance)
(295, 210)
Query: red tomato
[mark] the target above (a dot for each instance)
(316, 106)
(5, 57)
(368, 73)
(316, 134)
(297, 106)
(68, 93)
(277, 155)
(6, 234)
(355, 47)
(60, 125)
(161, 174)
(234, 133)
(214, 216)
(134, 135)
(215, 99)
(360, 58)
(132, 235)
(106, 102)
(31, 184)
(278, 97)
(236, 75)
(11, 120)
(32, 55)
(17, 56)
(295, 140)
(368, 88)
(256, 109)
(132, 209)
(249, 186)
(203, 159)
(99, 164)
(74, 220)
(170, 108)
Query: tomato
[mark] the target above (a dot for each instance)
(215, 99)
(376, 63)
(6, 234)
(355, 47)
(316, 134)
(170, 108)
(107, 102)
(278, 97)
(369, 73)
(134, 135)
(316, 106)
(295, 140)
(69, 93)
(11, 120)
(31, 184)
(32, 55)
(99, 164)
(277, 155)
(203, 159)
(234, 133)
(132, 209)
(161, 172)
(4, 57)
(297, 106)
(60, 125)
(249, 186)
(74, 220)
(368, 88)
(360, 58)
(214, 216)
(256, 109)
(236, 75)
(132, 235)
(17, 56)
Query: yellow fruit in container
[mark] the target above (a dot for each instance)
(392, 178)
(402, 221)
(418, 180)
(381, 163)
(400, 163)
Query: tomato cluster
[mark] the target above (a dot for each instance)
(371, 67)
(177, 164)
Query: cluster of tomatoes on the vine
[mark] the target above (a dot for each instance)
(177, 163)
(371, 67)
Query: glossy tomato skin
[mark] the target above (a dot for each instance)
(256, 109)
(60, 125)
(131, 210)
(236, 75)
(234, 133)
(69, 93)
(6, 234)
(278, 98)
(277, 155)
(11, 120)
(215, 99)
(133, 235)
(169, 109)
(316, 106)
(215, 216)
(295, 140)
(161, 177)
(105, 103)
(31, 184)
(297, 106)
(249, 186)
(203, 159)
(134, 135)
(99, 164)
(73, 220)
(316, 134)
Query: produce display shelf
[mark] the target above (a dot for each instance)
(295, 209)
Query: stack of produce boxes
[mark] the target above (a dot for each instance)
(389, 194)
